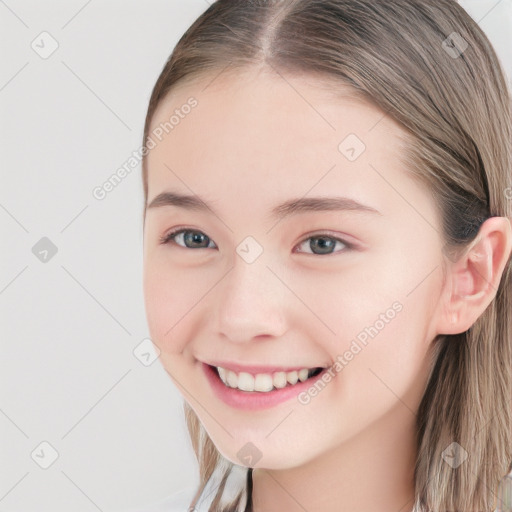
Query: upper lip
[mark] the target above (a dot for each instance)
(254, 369)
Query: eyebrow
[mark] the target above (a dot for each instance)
(290, 207)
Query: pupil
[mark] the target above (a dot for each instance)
(323, 244)
(194, 237)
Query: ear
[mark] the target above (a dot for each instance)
(472, 281)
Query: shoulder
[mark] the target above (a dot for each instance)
(177, 502)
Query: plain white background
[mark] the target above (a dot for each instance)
(74, 387)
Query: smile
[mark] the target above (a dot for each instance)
(238, 398)
(265, 382)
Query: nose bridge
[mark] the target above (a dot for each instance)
(250, 302)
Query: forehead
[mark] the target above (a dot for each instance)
(260, 136)
(264, 100)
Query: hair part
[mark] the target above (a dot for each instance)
(456, 112)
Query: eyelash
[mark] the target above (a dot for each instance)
(168, 238)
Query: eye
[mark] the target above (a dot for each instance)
(196, 239)
(324, 244)
(320, 244)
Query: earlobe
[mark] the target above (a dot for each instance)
(473, 280)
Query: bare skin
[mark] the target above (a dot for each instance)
(253, 142)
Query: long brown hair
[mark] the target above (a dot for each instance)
(430, 67)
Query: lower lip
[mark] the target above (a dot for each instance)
(255, 400)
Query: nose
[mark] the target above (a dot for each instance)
(250, 302)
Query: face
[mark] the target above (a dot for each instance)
(350, 289)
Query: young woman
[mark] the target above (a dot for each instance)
(327, 240)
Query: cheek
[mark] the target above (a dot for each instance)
(380, 312)
(165, 297)
(355, 296)
(172, 296)
(385, 339)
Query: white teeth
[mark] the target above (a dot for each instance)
(303, 374)
(232, 379)
(245, 381)
(262, 382)
(292, 377)
(279, 380)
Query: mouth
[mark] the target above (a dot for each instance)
(264, 382)
(257, 392)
